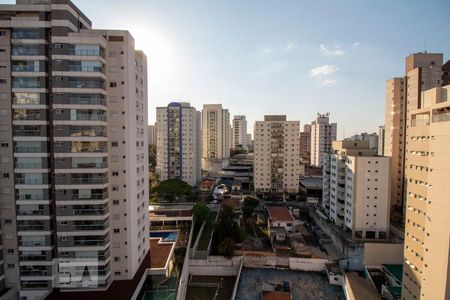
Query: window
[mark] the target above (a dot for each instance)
(116, 230)
(114, 144)
(113, 84)
(10, 251)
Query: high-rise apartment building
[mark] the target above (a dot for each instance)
(152, 135)
(372, 138)
(239, 133)
(381, 140)
(427, 159)
(305, 144)
(323, 133)
(394, 135)
(215, 137)
(178, 143)
(74, 188)
(276, 155)
(356, 189)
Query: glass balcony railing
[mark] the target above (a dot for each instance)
(29, 149)
(83, 52)
(25, 68)
(88, 117)
(94, 212)
(77, 68)
(32, 257)
(19, 132)
(89, 180)
(86, 85)
(30, 165)
(30, 227)
(88, 101)
(89, 165)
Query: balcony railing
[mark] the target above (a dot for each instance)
(32, 257)
(29, 165)
(29, 149)
(89, 180)
(441, 117)
(30, 181)
(88, 101)
(90, 165)
(76, 68)
(89, 117)
(86, 85)
(85, 52)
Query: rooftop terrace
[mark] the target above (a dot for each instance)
(304, 285)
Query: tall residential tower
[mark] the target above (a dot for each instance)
(178, 142)
(73, 135)
(322, 136)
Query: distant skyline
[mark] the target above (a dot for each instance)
(265, 57)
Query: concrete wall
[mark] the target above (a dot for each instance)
(215, 266)
(376, 254)
(307, 264)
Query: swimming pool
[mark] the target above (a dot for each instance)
(166, 236)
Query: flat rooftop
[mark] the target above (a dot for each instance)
(159, 253)
(312, 182)
(303, 285)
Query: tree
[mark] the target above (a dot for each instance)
(171, 188)
(248, 206)
(226, 247)
(200, 212)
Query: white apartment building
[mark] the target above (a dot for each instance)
(215, 137)
(276, 155)
(178, 143)
(239, 133)
(74, 158)
(322, 135)
(356, 189)
(372, 138)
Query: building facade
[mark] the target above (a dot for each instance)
(323, 133)
(178, 143)
(74, 102)
(372, 138)
(356, 189)
(381, 140)
(152, 135)
(215, 137)
(276, 156)
(305, 145)
(427, 157)
(240, 133)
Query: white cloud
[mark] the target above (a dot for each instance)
(328, 82)
(355, 44)
(335, 51)
(290, 47)
(323, 70)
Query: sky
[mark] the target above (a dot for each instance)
(260, 57)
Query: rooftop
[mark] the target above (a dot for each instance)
(312, 182)
(275, 295)
(231, 202)
(159, 253)
(303, 285)
(361, 287)
(277, 213)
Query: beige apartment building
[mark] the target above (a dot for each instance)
(73, 155)
(178, 143)
(216, 137)
(276, 156)
(323, 133)
(356, 189)
(394, 135)
(427, 226)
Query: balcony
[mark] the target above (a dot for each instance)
(86, 84)
(85, 52)
(78, 68)
(30, 165)
(27, 132)
(441, 115)
(33, 258)
(92, 180)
